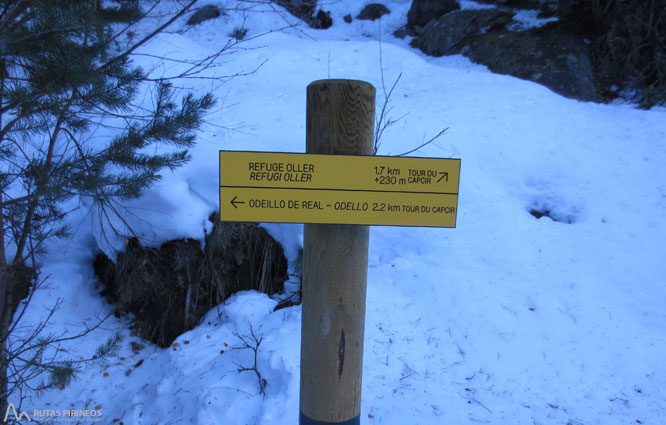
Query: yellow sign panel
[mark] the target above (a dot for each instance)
(338, 189)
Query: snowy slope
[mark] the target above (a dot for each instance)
(506, 319)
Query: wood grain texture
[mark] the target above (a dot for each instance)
(340, 120)
(340, 117)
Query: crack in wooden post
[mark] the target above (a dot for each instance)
(341, 352)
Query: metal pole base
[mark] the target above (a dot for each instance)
(304, 420)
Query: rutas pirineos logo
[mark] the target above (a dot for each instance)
(52, 415)
(17, 416)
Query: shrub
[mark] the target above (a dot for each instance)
(628, 44)
(169, 289)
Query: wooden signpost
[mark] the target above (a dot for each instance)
(337, 188)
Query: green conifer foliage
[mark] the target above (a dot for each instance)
(66, 75)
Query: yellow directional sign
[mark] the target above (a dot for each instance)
(338, 189)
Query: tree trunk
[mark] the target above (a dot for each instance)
(5, 314)
(5, 321)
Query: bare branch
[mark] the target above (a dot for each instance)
(435, 137)
(251, 342)
(150, 36)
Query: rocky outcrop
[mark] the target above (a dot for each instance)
(448, 34)
(204, 13)
(373, 11)
(305, 11)
(543, 5)
(423, 11)
(549, 55)
(322, 20)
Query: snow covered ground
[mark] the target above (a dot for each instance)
(506, 319)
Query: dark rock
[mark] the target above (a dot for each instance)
(549, 55)
(520, 4)
(567, 8)
(302, 9)
(423, 11)
(323, 20)
(239, 33)
(373, 11)
(447, 34)
(204, 14)
(546, 8)
(169, 289)
(401, 33)
(348, 19)
(305, 11)
(299, 8)
(553, 212)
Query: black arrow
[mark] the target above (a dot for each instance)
(444, 175)
(234, 202)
